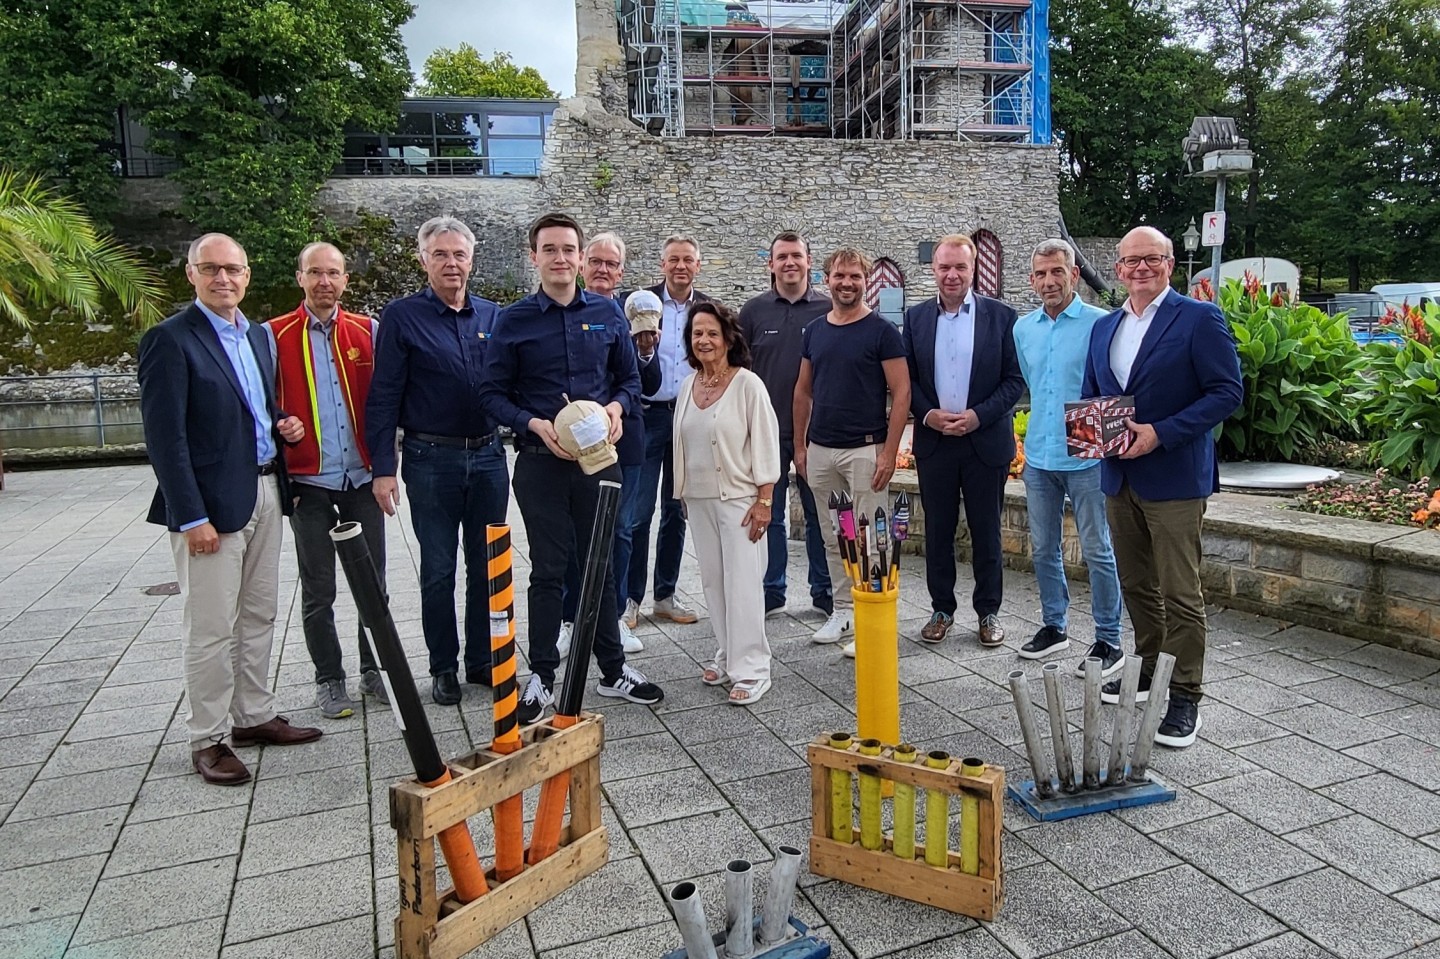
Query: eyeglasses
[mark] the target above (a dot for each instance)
(213, 269)
(595, 264)
(1154, 261)
(331, 275)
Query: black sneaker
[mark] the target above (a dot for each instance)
(1112, 660)
(1110, 692)
(631, 684)
(1047, 642)
(1181, 723)
(774, 605)
(534, 700)
(823, 602)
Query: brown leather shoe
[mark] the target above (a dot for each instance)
(219, 766)
(939, 625)
(277, 732)
(991, 632)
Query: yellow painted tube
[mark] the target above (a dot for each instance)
(937, 815)
(841, 821)
(970, 821)
(870, 835)
(903, 843)
(877, 668)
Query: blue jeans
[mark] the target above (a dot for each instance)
(1045, 493)
(450, 488)
(629, 496)
(657, 480)
(779, 546)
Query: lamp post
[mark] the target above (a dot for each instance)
(1216, 146)
(1190, 239)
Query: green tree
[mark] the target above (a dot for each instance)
(1255, 45)
(1124, 93)
(51, 255)
(462, 72)
(252, 99)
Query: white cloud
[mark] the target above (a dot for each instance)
(537, 33)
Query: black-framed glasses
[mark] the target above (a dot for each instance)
(213, 269)
(1153, 260)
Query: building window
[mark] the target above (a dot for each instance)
(886, 292)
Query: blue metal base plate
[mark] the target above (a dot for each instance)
(1081, 803)
(799, 944)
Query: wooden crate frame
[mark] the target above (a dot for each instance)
(433, 923)
(978, 896)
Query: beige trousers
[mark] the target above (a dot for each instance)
(230, 606)
(732, 571)
(829, 471)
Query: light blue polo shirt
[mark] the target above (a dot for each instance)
(1052, 358)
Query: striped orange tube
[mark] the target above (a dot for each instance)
(509, 814)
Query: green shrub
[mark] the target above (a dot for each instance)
(1379, 500)
(1295, 362)
(1394, 388)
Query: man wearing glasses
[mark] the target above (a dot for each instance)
(429, 355)
(1176, 357)
(214, 433)
(324, 358)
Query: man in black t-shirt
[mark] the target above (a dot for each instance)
(773, 323)
(844, 438)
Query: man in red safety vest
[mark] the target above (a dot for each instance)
(324, 359)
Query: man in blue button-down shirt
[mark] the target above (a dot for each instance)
(428, 370)
(1051, 344)
(557, 345)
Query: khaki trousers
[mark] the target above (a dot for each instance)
(829, 470)
(230, 599)
(732, 572)
(1157, 554)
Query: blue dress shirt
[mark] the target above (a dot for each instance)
(670, 351)
(247, 370)
(955, 355)
(340, 464)
(543, 352)
(429, 360)
(1052, 359)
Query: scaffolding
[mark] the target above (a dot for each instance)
(849, 69)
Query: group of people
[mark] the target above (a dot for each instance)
(325, 409)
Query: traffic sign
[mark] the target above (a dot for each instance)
(1213, 232)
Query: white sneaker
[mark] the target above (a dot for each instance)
(840, 624)
(672, 609)
(562, 642)
(632, 614)
(629, 640)
(849, 649)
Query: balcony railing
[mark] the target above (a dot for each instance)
(438, 166)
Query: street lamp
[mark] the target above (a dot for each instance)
(1215, 145)
(1190, 239)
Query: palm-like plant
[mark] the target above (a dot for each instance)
(52, 255)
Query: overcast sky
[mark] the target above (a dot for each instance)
(537, 33)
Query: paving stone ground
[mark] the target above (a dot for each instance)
(1307, 823)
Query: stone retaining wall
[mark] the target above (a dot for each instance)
(1372, 581)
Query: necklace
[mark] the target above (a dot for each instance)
(710, 382)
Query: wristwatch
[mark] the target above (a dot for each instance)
(765, 501)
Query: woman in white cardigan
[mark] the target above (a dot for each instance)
(727, 459)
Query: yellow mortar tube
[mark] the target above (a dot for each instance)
(870, 835)
(877, 668)
(937, 815)
(903, 843)
(970, 821)
(841, 822)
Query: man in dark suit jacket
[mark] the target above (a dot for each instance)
(964, 381)
(1177, 358)
(214, 433)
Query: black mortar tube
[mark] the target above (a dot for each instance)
(587, 614)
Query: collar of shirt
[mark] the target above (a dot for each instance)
(223, 325)
(809, 296)
(967, 305)
(441, 307)
(582, 298)
(320, 323)
(665, 297)
(1150, 311)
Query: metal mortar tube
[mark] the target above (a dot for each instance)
(1059, 733)
(1020, 690)
(1090, 755)
(1150, 721)
(739, 909)
(690, 917)
(1120, 730)
(775, 916)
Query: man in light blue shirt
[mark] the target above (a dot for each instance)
(1051, 344)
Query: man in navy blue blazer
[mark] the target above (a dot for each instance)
(213, 432)
(964, 381)
(1176, 356)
